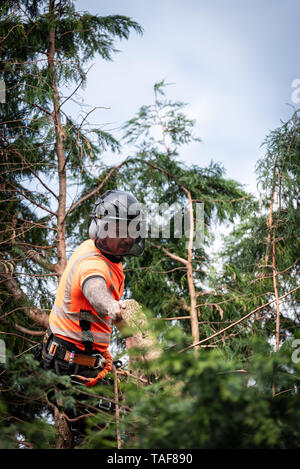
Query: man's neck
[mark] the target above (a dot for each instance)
(114, 259)
(111, 258)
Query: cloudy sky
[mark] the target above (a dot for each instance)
(232, 61)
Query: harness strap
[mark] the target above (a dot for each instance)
(87, 335)
(57, 349)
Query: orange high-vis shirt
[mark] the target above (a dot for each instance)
(71, 307)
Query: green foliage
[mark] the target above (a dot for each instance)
(264, 247)
(27, 420)
(157, 176)
(32, 190)
(176, 129)
(210, 401)
(235, 392)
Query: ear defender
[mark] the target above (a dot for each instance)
(93, 230)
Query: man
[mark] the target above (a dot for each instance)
(89, 294)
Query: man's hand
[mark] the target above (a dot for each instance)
(115, 311)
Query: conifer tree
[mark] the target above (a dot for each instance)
(46, 48)
(175, 265)
(241, 390)
(261, 256)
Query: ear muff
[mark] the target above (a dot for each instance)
(93, 228)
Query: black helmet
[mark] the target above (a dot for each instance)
(118, 215)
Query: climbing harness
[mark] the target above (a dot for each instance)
(54, 348)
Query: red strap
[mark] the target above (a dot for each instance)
(90, 382)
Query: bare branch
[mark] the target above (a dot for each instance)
(32, 201)
(77, 87)
(240, 320)
(170, 254)
(94, 191)
(28, 165)
(18, 335)
(28, 331)
(38, 316)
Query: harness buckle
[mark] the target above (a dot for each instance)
(108, 406)
(53, 348)
(100, 362)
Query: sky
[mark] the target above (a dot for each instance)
(233, 62)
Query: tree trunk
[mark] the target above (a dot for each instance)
(65, 436)
(60, 152)
(192, 291)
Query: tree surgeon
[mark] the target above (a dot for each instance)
(88, 299)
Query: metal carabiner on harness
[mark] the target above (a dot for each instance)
(118, 363)
(101, 361)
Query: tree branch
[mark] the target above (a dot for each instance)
(35, 314)
(240, 320)
(94, 191)
(36, 257)
(32, 201)
(28, 165)
(117, 408)
(170, 254)
(29, 331)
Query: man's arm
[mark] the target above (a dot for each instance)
(95, 291)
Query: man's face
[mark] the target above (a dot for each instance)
(119, 246)
(119, 242)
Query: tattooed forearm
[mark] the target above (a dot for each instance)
(95, 291)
